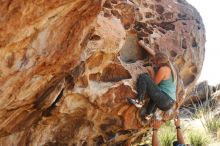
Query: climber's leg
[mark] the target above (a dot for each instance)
(141, 91)
(165, 103)
(158, 97)
(141, 86)
(146, 85)
(148, 109)
(143, 82)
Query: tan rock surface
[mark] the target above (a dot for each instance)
(66, 67)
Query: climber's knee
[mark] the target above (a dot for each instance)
(144, 79)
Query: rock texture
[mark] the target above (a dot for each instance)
(201, 92)
(66, 67)
(204, 95)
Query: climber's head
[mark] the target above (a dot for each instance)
(161, 59)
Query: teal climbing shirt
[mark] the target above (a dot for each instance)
(169, 87)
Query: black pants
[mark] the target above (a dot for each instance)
(158, 98)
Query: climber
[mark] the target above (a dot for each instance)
(160, 88)
(156, 126)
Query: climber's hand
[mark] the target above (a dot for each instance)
(177, 121)
(150, 71)
(157, 123)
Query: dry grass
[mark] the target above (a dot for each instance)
(167, 134)
(198, 138)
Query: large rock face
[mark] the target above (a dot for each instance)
(66, 67)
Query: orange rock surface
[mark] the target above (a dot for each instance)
(67, 66)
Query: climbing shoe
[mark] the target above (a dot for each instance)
(135, 102)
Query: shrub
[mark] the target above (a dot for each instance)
(198, 138)
(167, 134)
(204, 112)
(212, 125)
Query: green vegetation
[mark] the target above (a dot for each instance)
(213, 125)
(167, 134)
(198, 138)
(195, 137)
(209, 121)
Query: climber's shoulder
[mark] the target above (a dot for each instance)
(165, 70)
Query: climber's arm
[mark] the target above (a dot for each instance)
(150, 71)
(149, 50)
(155, 141)
(156, 126)
(178, 131)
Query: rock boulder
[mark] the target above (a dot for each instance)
(66, 67)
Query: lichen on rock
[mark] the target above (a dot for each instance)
(66, 67)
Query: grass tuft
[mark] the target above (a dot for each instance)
(212, 125)
(198, 138)
(167, 134)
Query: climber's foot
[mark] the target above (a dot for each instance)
(146, 120)
(135, 102)
(148, 117)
